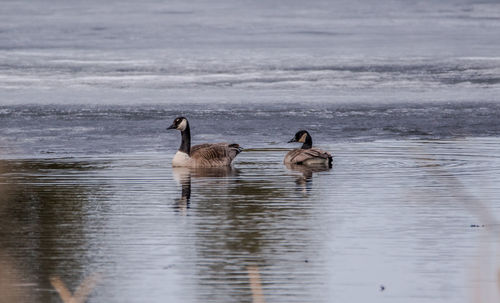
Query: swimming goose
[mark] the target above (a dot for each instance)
(307, 155)
(203, 155)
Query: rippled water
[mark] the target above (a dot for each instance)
(404, 94)
(410, 214)
(124, 52)
(82, 130)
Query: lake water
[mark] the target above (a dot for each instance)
(411, 209)
(404, 95)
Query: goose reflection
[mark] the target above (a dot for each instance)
(183, 176)
(243, 228)
(304, 180)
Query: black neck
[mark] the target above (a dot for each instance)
(186, 140)
(186, 188)
(309, 142)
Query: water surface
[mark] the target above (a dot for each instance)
(404, 94)
(409, 211)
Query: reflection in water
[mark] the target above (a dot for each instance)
(235, 244)
(42, 225)
(255, 285)
(12, 276)
(488, 263)
(245, 222)
(183, 176)
(304, 181)
(13, 284)
(356, 228)
(81, 293)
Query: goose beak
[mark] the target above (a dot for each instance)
(171, 127)
(293, 140)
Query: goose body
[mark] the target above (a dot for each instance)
(307, 155)
(202, 155)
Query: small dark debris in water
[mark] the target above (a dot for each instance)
(306, 261)
(168, 266)
(476, 225)
(382, 287)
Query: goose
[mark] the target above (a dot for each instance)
(202, 155)
(307, 155)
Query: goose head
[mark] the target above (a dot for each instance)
(180, 123)
(301, 137)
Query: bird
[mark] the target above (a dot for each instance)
(202, 155)
(307, 155)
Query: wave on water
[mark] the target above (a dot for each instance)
(299, 73)
(78, 129)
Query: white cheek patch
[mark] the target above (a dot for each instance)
(182, 125)
(303, 138)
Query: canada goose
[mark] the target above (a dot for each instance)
(202, 155)
(307, 155)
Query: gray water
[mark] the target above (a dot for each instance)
(402, 93)
(412, 209)
(124, 52)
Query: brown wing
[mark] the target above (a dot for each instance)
(212, 155)
(298, 156)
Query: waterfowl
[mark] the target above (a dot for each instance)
(202, 155)
(307, 155)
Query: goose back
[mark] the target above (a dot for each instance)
(212, 155)
(310, 156)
